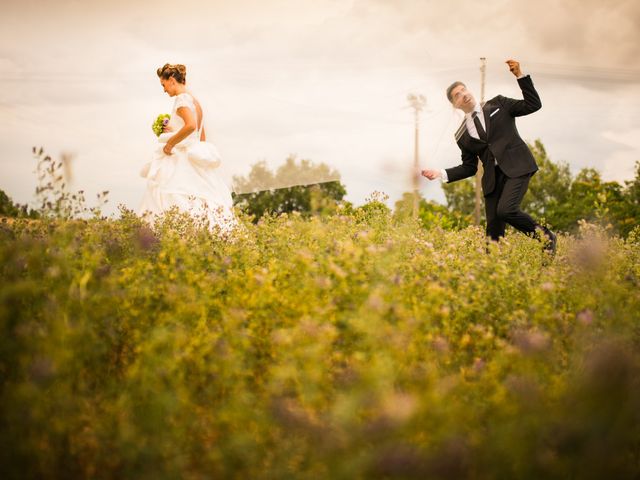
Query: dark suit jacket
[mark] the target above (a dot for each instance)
(503, 140)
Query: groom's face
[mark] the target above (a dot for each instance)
(463, 99)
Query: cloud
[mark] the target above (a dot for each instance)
(586, 31)
(619, 166)
(593, 41)
(627, 137)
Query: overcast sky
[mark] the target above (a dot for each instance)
(324, 80)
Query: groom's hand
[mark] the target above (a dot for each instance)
(431, 174)
(514, 67)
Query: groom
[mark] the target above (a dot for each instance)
(489, 133)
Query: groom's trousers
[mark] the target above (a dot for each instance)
(502, 205)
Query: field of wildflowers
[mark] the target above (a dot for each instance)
(348, 346)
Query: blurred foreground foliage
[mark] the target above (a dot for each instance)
(357, 345)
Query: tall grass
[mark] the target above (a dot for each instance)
(351, 346)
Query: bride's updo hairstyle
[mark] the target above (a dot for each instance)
(179, 72)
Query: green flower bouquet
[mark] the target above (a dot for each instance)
(161, 122)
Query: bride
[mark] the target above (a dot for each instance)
(175, 177)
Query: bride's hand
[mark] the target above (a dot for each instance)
(167, 148)
(166, 129)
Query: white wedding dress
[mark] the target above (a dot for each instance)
(176, 181)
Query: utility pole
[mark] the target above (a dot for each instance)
(476, 215)
(417, 102)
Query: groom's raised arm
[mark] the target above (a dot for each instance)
(531, 100)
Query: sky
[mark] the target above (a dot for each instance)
(324, 80)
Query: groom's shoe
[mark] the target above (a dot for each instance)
(550, 243)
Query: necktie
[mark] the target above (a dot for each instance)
(476, 121)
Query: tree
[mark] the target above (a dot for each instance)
(549, 189)
(432, 213)
(592, 199)
(308, 188)
(10, 209)
(629, 217)
(461, 196)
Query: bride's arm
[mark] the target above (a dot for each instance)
(203, 136)
(187, 129)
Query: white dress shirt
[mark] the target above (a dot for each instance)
(471, 126)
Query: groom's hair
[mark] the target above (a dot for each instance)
(179, 72)
(451, 87)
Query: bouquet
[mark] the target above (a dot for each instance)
(160, 123)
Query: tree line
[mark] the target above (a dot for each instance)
(560, 198)
(556, 196)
